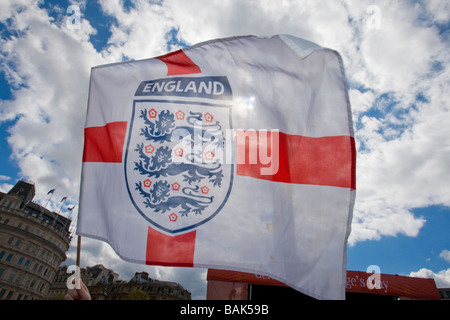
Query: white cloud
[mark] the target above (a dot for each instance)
(312, 20)
(438, 9)
(361, 101)
(400, 51)
(5, 187)
(403, 161)
(442, 278)
(445, 254)
(140, 32)
(50, 70)
(4, 178)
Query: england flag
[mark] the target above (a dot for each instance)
(234, 154)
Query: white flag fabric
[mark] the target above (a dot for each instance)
(234, 154)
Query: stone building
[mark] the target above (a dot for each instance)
(91, 276)
(103, 284)
(33, 243)
(153, 289)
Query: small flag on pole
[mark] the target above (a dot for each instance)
(63, 200)
(51, 195)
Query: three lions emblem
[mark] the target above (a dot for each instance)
(174, 162)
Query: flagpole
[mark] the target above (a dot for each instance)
(65, 198)
(78, 251)
(73, 226)
(51, 195)
(71, 211)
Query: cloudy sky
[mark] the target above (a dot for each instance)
(396, 55)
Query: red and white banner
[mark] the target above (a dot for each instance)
(235, 154)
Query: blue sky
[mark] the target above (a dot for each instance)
(397, 67)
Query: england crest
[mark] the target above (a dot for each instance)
(175, 168)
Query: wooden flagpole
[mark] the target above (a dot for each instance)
(78, 251)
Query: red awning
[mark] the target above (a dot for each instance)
(386, 284)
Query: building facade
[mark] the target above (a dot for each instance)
(149, 288)
(91, 276)
(33, 243)
(104, 284)
(445, 293)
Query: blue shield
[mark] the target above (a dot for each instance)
(176, 166)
